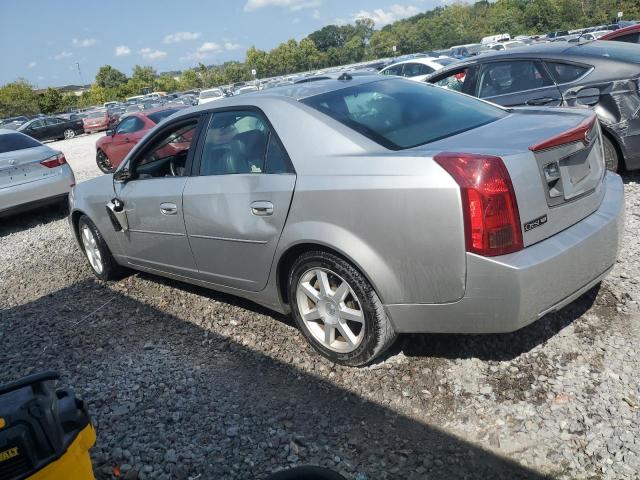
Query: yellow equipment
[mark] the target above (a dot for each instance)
(45, 434)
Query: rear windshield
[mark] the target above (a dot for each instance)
(211, 94)
(157, 117)
(401, 114)
(97, 114)
(626, 52)
(10, 142)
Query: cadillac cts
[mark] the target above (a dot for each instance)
(366, 207)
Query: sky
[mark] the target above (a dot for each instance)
(43, 40)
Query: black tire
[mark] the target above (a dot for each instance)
(611, 157)
(379, 334)
(111, 270)
(103, 162)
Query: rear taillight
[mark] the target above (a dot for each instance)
(577, 134)
(492, 221)
(54, 161)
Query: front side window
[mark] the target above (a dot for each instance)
(416, 69)
(566, 72)
(502, 78)
(393, 70)
(37, 124)
(240, 143)
(399, 114)
(166, 156)
(458, 81)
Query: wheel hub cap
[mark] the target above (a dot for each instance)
(330, 310)
(91, 249)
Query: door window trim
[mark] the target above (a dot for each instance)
(195, 166)
(143, 147)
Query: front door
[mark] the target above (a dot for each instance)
(237, 200)
(156, 237)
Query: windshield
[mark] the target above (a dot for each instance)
(157, 117)
(401, 114)
(625, 52)
(16, 141)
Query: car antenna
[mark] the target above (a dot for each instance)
(345, 76)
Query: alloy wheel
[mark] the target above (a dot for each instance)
(69, 133)
(91, 249)
(330, 310)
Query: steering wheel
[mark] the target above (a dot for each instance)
(177, 167)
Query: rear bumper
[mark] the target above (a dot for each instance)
(506, 293)
(14, 199)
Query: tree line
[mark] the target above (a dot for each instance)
(333, 45)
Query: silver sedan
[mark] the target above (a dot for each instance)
(366, 207)
(31, 174)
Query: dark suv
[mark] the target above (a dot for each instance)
(604, 76)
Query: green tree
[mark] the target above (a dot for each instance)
(109, 77)
(50, 101)
(189, 79)
(18, 98)
(145, 74)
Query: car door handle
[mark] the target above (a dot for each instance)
(168, 208)
(262, 209)
(541, 101)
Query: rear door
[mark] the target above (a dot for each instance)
(237, 201)
(517, 82)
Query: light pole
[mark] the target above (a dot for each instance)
(80, 73)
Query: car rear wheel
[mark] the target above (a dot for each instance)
(611, 158)
(104, 164)
(69, 133)
(337, 310)
(97, 252)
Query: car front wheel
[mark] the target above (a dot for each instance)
(100, 259)
(103, 162)
(337, 310)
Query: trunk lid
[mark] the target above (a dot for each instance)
(556, 183)
(23, 166)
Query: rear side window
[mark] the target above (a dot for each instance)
(502, 78)
(399, 114)
(566, 72)
(16, 141)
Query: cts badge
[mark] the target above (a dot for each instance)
(536, 222)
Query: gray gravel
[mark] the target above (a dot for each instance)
(187, 383)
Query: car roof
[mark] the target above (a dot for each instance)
(621, 31)
(423, 60)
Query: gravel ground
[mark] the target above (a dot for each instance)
(187, 383)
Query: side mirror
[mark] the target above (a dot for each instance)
(123, 175)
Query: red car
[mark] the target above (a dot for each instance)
(96, 121)
(114, 147)
(629, 34)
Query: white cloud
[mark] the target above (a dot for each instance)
(206, 50)
(232, 46)
(83, 42)
(207, 47)
(151, 54)
(32, 64)
(293, 5)
(122, 51)
(177, 37)
(316, 14)
(295, 21)
(382, 17)
(61, 55)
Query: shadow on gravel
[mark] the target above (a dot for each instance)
(498, 347)
(31, 218)
(183, 402)
(632, 176)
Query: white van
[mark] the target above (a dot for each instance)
(502, 37)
